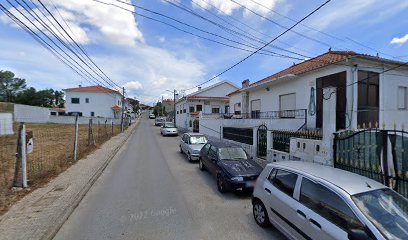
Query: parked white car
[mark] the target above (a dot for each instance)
(168, 128)
(191, 144)
(310, 201)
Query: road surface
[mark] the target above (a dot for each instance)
(150, 191)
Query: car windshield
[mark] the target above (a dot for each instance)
(232, 153)
(387, 210)
(198, 139)
(169, 125)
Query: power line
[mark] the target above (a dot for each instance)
(284, 32)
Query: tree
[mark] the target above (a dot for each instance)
(134, 103)
(42, 98)
(10, 86)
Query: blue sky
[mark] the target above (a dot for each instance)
(148, 57)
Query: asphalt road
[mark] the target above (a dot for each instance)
(150, 191)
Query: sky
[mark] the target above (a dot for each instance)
(149, 57)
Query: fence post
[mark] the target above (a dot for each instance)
(384, 163)
(76, 139)
(111, 128)
(23, 155)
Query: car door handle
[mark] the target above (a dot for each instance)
(268, 191)
(315, 223)
(301, 213)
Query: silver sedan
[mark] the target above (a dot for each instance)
(191, 144)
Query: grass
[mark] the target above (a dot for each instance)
(52, 154)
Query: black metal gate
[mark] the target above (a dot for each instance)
(381, 155)
(196, 126)
(262, 141)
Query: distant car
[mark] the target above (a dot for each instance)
(152, 116)
(168, 128)
(191, 144)
(159, 121)
(311, 201)
(230, 165)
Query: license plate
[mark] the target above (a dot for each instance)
(250, 184)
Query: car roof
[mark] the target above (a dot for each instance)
(350, 182)
(223, 144)
(194, 134)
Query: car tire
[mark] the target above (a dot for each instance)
(189, 157)
(181, 150)
(260, 214)
(201, 165)
(221, 184)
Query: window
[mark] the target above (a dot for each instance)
(53, 114)
(205, 148)
(86, 100)
(199, 108)
(212, 153)
(328, 205)
(215, 109)
(184, 111)
(226, 109)
(191, 109)
(75, 100)
(285, 181)
(287, 102)
(255, 108)
(237, 108)
(92, 114)
(368, 97)
(402, 98)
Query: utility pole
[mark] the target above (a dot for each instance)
(174, 102)
(162, 107)
(123, 106)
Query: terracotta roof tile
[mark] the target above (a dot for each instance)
(92, 89)
(116, 107)
(311, 64)
(206, 97)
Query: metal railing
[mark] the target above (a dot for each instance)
(288, 114)
(281, 138)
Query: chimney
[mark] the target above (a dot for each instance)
(79, 85)
(245, 83)
(199, 88)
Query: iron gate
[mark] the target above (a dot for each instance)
(196, 126)
(262, 141)
(378, 154)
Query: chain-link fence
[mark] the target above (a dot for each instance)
(49, 151)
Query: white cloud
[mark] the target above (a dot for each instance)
(133, 85)
(228, 7)
(400, 40)
(107, 23)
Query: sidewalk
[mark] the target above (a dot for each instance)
(40, 214)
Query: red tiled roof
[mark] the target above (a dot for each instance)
(234, 92)
(116, 107)
(92, 89)
(314, 63)
(205, 97)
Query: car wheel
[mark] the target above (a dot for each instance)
(201, 165)
(189, 157)
(260, 214)
(181, 150)
(221, 184)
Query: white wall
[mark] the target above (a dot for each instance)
(81, 120)
(99, 103)
(219, 91)
(32, 114)
(6, 124)
(210, 127)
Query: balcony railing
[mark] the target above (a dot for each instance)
(290, 114)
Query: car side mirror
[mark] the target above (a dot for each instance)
(358, 234)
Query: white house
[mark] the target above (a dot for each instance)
(209, 100)
(94, 101)
(369, 90)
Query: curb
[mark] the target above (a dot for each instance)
(53, 229)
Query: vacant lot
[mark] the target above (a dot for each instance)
(53, 153)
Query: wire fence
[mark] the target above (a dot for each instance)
(52, 152)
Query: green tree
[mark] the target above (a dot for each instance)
(10, 86)
(134, 103)
(42, 98)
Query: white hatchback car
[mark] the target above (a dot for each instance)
(168, 128)
(310, 201)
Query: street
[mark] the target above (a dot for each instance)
(150, 191)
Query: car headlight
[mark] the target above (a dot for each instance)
(238, 179)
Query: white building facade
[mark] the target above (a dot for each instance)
(365, 94)
(94, 101)
(212, 100)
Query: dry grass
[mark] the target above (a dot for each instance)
(53, 154)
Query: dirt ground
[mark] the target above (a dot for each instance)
(52, 154)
